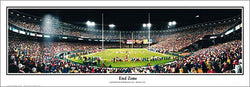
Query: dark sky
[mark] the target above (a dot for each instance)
(132, 19)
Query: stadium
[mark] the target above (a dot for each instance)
(125, 41)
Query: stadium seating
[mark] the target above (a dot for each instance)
(34, 56)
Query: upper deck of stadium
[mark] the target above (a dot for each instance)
(53, 26)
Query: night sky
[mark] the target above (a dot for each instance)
(132, 19)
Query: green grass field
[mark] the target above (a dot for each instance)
(121, 53)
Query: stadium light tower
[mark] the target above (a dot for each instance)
(146, 25)
(172, 24)
(149, 26)
(90, 23)
(102, 39)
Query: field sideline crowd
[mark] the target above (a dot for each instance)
(32, 57)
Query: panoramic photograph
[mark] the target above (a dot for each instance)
(124, 41)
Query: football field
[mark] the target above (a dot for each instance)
(109, 54)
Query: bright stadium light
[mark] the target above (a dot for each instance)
(174, 22)
(90, 23)
(169, 23)
(111, 25)
(144, 25)
(149, 25)
(197, 16)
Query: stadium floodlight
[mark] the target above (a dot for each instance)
(197, 16)
(170, 23)
(92, 23)
(174, 22)
(149, 25)
(89, 23)
(144, 25)
(111, 25)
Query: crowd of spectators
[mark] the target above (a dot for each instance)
(179, 40)
(30, 26)
(221, 58)
(39, 57)
(67, 29)
(157, 36)
(43, 51)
